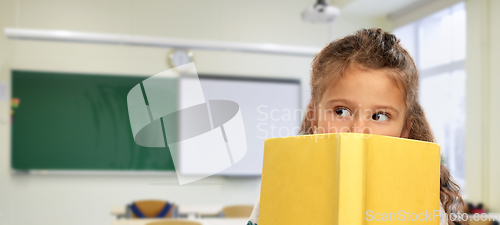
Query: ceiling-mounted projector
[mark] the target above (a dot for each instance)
(320, 12)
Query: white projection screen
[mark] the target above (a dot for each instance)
(269, 107)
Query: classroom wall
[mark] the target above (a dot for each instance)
(87, 198)
(482, 149)
(483, 125)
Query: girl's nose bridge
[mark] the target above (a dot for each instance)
(360, 122)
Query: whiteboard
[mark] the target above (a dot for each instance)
(270, 108)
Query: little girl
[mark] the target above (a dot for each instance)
(368, 83)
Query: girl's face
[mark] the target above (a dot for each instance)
(363, 101)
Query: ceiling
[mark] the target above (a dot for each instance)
(374, 8)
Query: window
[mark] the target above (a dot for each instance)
(437, 44)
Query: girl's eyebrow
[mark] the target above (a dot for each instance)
(386, 107)
(339, 100)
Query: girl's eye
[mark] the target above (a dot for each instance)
(342, 112)
(380, 117)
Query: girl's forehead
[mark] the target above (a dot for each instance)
(366, 87)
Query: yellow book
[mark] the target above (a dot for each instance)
(349, 179)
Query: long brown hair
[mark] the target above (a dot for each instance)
(374, 49)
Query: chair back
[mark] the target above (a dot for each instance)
(152, 209)
(237, 211)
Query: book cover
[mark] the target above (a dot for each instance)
(349, 179)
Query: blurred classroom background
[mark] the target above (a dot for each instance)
(454, 44)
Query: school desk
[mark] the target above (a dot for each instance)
(191, 211)
(206, 221)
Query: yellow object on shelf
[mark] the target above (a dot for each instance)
(349, 179)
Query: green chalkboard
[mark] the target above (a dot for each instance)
(77, 122)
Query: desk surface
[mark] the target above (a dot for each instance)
(207, 221)
(120, 210)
